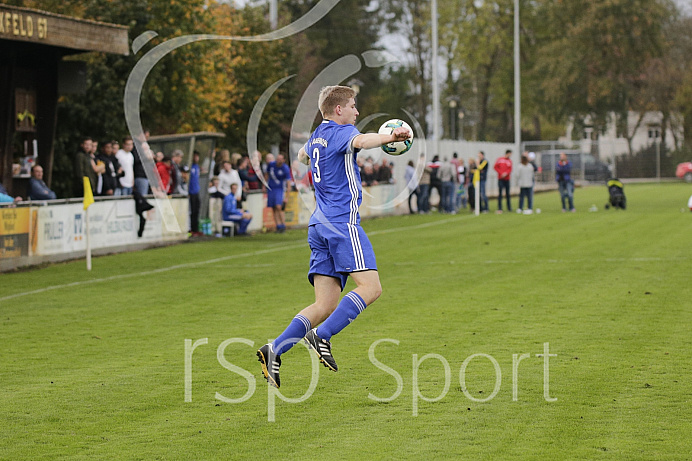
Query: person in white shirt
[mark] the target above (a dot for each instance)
(127, 161)
(229, 176)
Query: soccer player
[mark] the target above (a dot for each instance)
(279, 174)
(339, 246)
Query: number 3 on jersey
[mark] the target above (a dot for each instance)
(316, 176)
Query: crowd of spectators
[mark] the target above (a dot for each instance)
(115, 169)
(454, 183)
(372, 173)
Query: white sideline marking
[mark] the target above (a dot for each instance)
(281, 247)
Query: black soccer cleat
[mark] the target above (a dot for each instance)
(270, 364)
(322, 348)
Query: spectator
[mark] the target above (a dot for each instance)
(227, 177)
(193, 191)
(235, 160)
(98, 188)
(447, 175)
(384, 173)
(215, 206)
(126, 160)
(85, 165)
(279, 174)
(462, 179)
(267, 160)
(368, 177)
(563, 171)
(483, 168)
(231, 212)
(455, 161)
(424, 189)
(410, 177)
(177, 180)
(38, 190)
(247, 174)
(472, 187)
(185, 180)
(112, 167)
(222, 156)
(435, 181)
(141, 183)
(5, 197)
(532, 161)
(503, 166)
(164, 168)
(525, 175)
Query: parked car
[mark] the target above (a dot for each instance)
(684, 171)
(594, 169)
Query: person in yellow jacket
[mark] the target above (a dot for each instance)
(483, 169)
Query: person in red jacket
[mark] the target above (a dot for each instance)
(503, 166)
(164, 168)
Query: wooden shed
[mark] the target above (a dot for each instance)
(32, 77)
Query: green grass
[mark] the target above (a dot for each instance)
(96, 369)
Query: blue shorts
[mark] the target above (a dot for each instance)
(275, 197)
(339, 249)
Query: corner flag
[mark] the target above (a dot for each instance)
(88, 200)
(476, 184)
(88, 195)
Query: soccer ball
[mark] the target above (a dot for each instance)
(397, 147)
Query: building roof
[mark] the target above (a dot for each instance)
(44, 28)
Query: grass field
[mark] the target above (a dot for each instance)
(93, 364)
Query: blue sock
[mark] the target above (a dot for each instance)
(346, 312)
(295, 331)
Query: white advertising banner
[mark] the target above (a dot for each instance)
(61, 229)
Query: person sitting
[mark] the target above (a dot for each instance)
(38, 190)
(5, 197)
(230, 211)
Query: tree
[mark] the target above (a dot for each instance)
(593, 64)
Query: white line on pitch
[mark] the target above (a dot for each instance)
(279, 247)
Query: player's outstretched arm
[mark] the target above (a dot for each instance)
(372, 140)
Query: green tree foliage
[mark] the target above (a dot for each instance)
(350, 28)
(578, 60)
(593, 66)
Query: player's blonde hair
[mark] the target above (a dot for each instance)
(332, 96)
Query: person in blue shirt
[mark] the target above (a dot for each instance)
(38, 190)
(193, 191)
(231, 212)
(5, 197)
(339, 246)
(563, 176)
(279, 174)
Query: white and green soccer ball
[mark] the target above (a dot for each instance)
(397, 147)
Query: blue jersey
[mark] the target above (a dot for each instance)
(278, 175)
(335, 174)
(193, 188)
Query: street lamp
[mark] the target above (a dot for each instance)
(452, 101)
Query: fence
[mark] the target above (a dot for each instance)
(598, 160)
